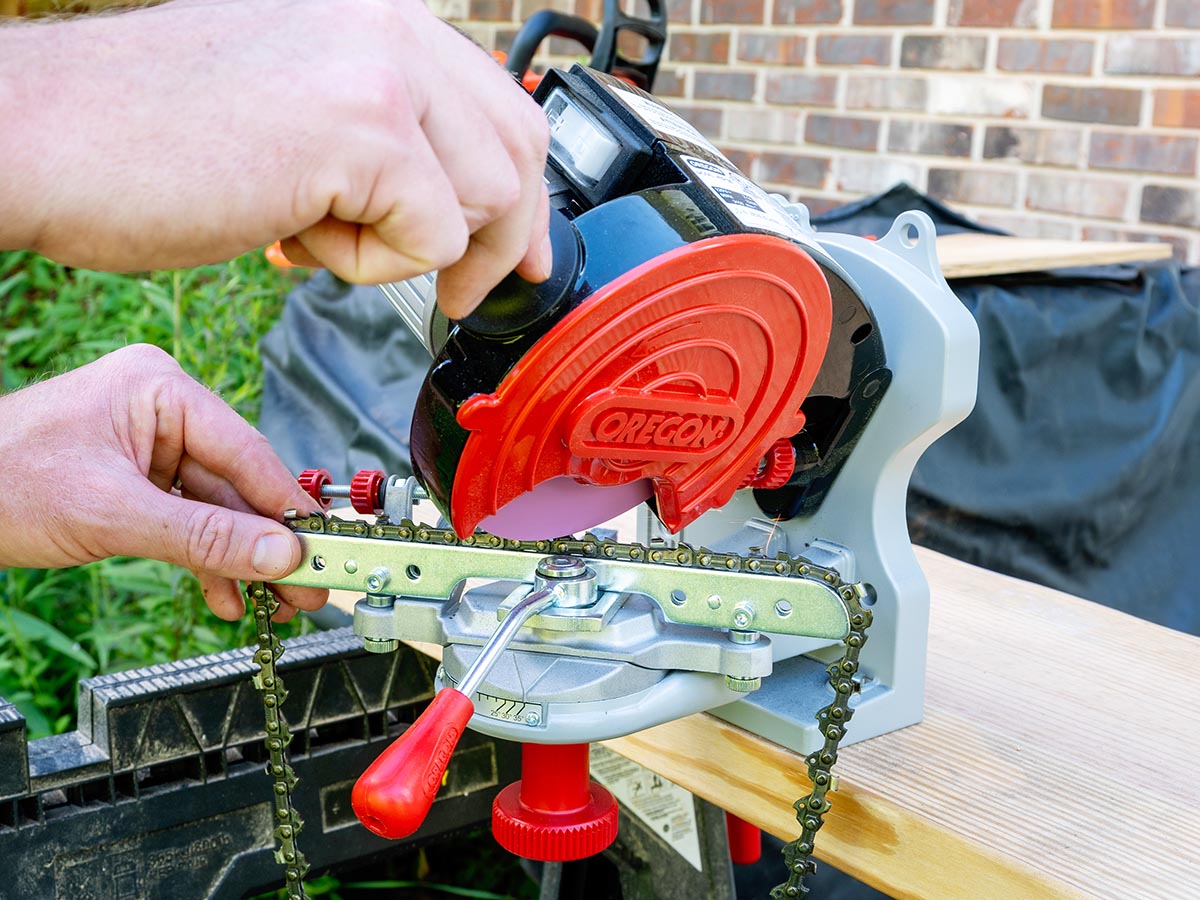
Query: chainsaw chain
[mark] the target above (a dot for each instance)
(287, 821)
(831, 720)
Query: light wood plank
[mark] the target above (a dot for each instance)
(976, 255)
(1056, 758)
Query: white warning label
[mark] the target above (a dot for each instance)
(745, 200)
(666, 122)
(663, 806)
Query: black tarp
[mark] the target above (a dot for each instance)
(1078, 469)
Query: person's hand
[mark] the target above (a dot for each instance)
(129, 456)
(377, 139)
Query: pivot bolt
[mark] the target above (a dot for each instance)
(562, 567)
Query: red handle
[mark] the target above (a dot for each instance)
(392, 798)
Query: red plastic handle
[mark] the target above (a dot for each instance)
(392, 798)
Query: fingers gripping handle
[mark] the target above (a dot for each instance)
(393, 796)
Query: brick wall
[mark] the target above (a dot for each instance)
(1049, 118)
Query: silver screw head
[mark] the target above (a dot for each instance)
(378, 579)
(742, 616)
(533, 718)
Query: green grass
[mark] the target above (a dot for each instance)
(59, 626)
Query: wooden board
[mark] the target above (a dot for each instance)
(1057, 757)
(976, 255)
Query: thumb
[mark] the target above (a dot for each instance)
(207, 538)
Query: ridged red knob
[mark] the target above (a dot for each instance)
(555, 813)
(364, 491)
(312, 480)
(775, 468)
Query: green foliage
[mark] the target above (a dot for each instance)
(59, 626)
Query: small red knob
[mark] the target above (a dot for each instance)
(392, 798)
(555, 813)
(364, 491)
(312, 480)
(776, 467)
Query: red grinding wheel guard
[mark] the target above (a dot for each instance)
(684, 371)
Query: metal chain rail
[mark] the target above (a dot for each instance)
(287, 821)
(831, 720)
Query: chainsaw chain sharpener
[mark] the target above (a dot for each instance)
(758, 391)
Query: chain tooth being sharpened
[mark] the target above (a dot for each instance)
(287, 821)
(831, 720)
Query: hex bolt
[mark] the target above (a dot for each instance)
(378, 579)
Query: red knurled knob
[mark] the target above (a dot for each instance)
(364, 491)
(776, 467)
(555, 813)
(312, 480)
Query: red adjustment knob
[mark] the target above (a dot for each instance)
(555, 813)
(775, 468)
(392, 798)
(312, 480)
(364, 491)
(745, 840)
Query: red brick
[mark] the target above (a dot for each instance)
(743, 159)
(1143, 153)
(767, 125)
(1098, 198)
(1177, 107)
(1028, 226)
(705, 119)
(1152, 56)
(842, 131)
(1041, 55)
(491, 10)
(1039, 146)
(677, 11)
(801, 88)
(1108, 106)
(885, 92)
(854, 49)
(867, 174)
(817, 205)
(733, 12)
(683, 46)
(929, 138)
(792, 169)
(503, 39)
(1170, 205)
(992, 13)
(957, 52)
(669, 83)
(893, 12)
(1183, 13)
(723, 85)
(984, 187)
(807, 12)
(1103, 14)
(774, 49)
